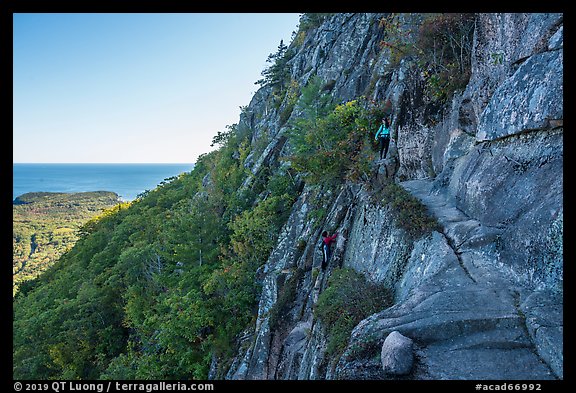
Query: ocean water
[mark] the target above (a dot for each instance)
(127, 180)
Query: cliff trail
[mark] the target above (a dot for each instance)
(448, 264)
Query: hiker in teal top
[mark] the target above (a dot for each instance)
(384, 134)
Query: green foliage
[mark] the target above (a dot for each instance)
(282, 183)
(292, 95)
(330, 142)
(314, 102)
(312, 20)
(153, 290)
(308, 22)
(277, 75)
(445, 42)
(348, 299)
(317, 216)
(441, 44)
(254, 232)
(221, 138)
(46, 225)
(286, 296)
(65, 325)
(398, 37)
(409, 212)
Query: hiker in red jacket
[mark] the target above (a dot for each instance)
(326, 251)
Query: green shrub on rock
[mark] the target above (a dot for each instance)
(348, 299)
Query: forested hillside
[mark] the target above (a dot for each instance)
(45, 225)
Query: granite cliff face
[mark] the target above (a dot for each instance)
(481, 297)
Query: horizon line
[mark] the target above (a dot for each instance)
(107, 163)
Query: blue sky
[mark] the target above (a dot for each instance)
(134, 87)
